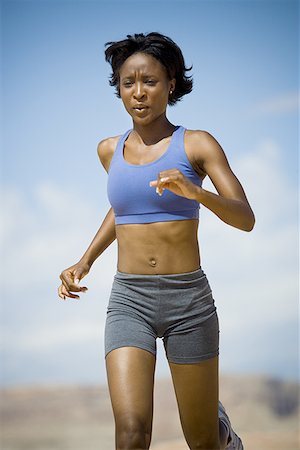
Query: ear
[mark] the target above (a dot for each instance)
(172, 84)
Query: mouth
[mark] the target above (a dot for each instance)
(140, 108)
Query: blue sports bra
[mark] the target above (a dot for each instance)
(134, 200)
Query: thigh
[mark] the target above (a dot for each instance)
(189, 311)
(197, 392)
(129, 318)
(130, 373)
(199, 341)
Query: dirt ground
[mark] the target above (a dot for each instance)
(263, 411)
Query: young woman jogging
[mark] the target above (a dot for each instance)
(155, 174)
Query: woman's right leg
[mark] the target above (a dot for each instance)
(130, 373)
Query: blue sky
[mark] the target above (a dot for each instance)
(57, 106)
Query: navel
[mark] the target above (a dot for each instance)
(152, 262)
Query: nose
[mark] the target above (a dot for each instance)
(138, 91)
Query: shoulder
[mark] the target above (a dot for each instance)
(105, 150)
(202, 140)
(203, 147)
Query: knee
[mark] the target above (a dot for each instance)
(132, 434)
(205, 444)
(200, 446)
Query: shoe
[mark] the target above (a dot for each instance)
(235, 442)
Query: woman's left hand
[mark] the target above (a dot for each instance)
(176, 182)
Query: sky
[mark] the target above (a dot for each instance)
(57, 105)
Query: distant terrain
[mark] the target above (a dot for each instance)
(264, 411)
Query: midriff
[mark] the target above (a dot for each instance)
(159, 247)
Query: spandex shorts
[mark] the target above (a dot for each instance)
(179, 308)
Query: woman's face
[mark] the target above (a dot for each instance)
(144, 88)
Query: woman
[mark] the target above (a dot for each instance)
(155, 173)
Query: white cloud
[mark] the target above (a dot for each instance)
(70, 333)
(287, 102)
(255, 275)
(44, 232)
(270, 250)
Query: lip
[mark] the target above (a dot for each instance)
(140, 107)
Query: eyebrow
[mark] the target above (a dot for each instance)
(148, 75)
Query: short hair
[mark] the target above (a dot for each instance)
(160, 47)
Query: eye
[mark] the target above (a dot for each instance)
(150, 82)
(127, 83)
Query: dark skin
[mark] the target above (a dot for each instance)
(161, 248)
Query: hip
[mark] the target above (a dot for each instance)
(186, 294)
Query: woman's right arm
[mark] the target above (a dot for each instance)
(106, 234)
(71, 276)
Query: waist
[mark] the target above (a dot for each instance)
(182, 276)
(158, 248)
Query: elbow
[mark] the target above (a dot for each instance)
(249, 223)
(248, 227)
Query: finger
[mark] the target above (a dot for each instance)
(162, 184)
(159, 180)
(70, 295)
(164, 179)
(60, 293)
(63, 293)
(70, 285)
(174, 178)
(158, 188)
(76, 282)
(82, 288)
(159, 191)
(66, 293)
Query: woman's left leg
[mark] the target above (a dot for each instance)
(197, 392)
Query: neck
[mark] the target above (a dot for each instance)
(155, 131)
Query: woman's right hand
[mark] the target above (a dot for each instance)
(70, 280)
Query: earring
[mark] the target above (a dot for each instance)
(171, 92)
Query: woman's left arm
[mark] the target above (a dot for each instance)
(231, 205)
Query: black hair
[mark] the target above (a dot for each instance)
(160, 47)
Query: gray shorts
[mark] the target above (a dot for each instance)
(179, 308)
